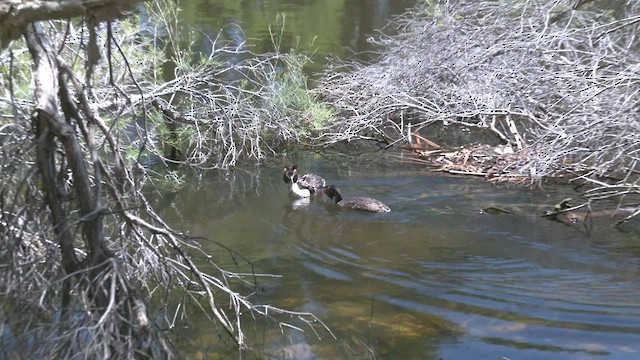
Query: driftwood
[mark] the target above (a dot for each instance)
(492, 162)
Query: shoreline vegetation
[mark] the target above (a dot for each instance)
(97, 112)
(96, 109)
(541, 91)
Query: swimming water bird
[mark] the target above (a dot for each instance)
(305, 185)
(356, 203)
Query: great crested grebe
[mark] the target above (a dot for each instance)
(302, 186)
(356, 203)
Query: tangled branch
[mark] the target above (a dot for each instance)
(83, 250)
(557, 81)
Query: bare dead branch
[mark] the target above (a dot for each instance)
(96, 251)
(558, 83)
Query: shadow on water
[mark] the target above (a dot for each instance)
(435, 278)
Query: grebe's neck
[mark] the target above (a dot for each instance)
(300, 191)
(337, 196)
(333, 192)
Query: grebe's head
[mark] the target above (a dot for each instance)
(290, 174)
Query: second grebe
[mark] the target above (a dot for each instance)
(355, 203)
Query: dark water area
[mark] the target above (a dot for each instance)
(437, 278)
(319, 28)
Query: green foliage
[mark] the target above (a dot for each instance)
(290, 93)
(272, 88)
(168, 181)
(327, 15)
(292, 96)
(179, 138)
(15, 72)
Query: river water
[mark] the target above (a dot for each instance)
(319, 28)
(438, 277)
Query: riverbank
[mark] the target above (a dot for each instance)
(559, 97)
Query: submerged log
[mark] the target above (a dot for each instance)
(581, 214)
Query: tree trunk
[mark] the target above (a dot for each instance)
(51, 127)
(66, 122)
(15, 15)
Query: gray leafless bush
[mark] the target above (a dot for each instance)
(230, 122)
(82, 251)
(558, 80)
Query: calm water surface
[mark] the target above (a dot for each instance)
(435, 278)
(319, 28)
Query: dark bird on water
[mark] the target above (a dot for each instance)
(355, 203)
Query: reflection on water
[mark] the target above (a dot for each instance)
(320, 27)
(435, 278)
